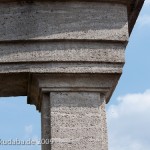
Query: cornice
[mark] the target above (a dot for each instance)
(134, 6)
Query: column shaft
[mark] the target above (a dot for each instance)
(74, 121)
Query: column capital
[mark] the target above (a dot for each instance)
(46, 83)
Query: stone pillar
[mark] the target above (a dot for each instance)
(74, 121)
(73, 109)
(67, 58)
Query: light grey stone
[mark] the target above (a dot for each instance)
(82, 129)
(61, 20)
(62, 52)
(62, 57)
(66, 67)
(104, 83)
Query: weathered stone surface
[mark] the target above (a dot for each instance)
(62, 68)
(77, 120)
(43, 83)
(60, 37)
(62, 57)
(62, 52)
(61, 20)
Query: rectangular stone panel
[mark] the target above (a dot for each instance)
(77, 121)
(62, 52)
(61, 20)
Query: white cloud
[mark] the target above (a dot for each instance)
(144, 20)
(29, 129)
(29, 135)
(129, 122)
(147, 2)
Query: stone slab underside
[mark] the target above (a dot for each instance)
(74, 121)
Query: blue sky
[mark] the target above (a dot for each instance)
(19, 121)
(129, 109)
(127, 113)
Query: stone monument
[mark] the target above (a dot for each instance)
(66, 56)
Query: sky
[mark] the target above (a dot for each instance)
(128, 112)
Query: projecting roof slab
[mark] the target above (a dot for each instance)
(134, 7)
(79, 39)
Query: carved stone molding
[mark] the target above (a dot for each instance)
(40, 84)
